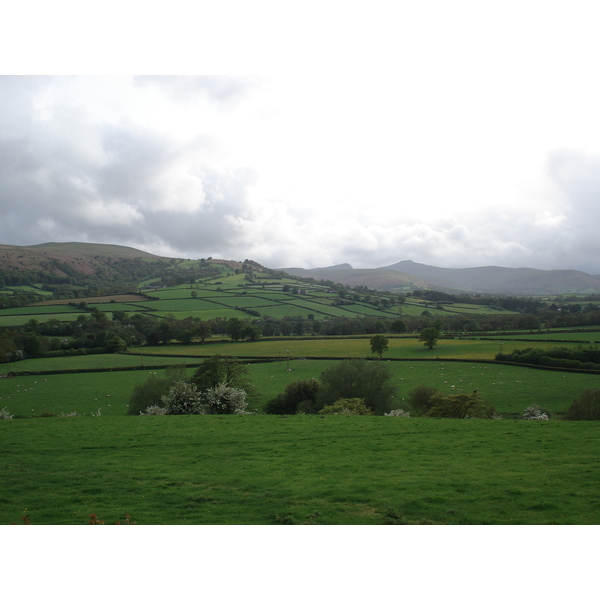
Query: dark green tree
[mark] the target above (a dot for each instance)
(299, 396)
(115, 344)
(586, 407)
(366, 379)
(379, 344)
(151, 391)
(234, 328)
(429, 336)
(220, 369)
(460, 406)
(398, 326)
(420, 398)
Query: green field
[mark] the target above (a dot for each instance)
(509, 388)
(302, 469)
(16, 320)
(399, 347)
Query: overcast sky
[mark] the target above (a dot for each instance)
(456, 133)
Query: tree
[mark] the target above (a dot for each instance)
(420, 398)
(202, 330)
(356, 378)
(220, 369)
(250, 332)
(299, 396)
(379, 344)
(115, 344)
(586, 407)
(234, 328)
(429, 336)
(150, 392)
(398, 326)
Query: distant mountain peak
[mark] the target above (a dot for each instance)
(342, 267)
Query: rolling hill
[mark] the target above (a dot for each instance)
(122, 263)
(64, 258)
(375, 279)
(406, 275)
(502, 279)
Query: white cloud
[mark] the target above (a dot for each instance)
(449, 134)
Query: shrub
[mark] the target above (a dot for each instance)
(397, 413)
(150, 392)
(155, 410)
(224, 400)
(420, 398)
(183, 399)
(586, 407)
(460, 406)
(534, 413)
(5, 415)
(299, 396)
(347, 406)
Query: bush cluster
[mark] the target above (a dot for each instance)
(347, 407)
(581, 357)
(586, 407)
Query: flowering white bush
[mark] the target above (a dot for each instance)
(398, 412)
(225, 400)
(155, 410)
(533, 413)
(71, 414)
(183, 399)
(5, 415)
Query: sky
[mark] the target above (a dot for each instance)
(456, 134)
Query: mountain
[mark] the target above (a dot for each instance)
(502, 279)
(407, 275)
(375, 279)
(108, 264)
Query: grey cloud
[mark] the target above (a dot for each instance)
(68, 178)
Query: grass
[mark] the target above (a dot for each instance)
(509, 388)
(355, 347)
(299, 470)
(93, 361)
(17, 320)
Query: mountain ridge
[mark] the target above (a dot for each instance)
(65, 258)
(484, 280)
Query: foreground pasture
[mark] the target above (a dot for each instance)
(300, 469)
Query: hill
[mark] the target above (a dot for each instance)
(408, 275)
(78, 264)
(375, 279)
(502, 279)
(104, 265)
(63, 258)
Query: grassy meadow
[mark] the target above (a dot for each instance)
(349, 347)
(299, 470)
